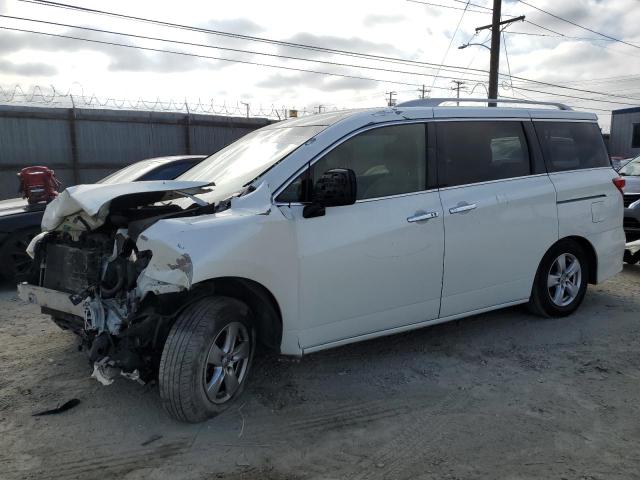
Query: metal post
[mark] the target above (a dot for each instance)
(75, 163)
(247, 107)
(187, 128)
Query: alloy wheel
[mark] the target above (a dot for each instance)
(227, 362)
(564, 279)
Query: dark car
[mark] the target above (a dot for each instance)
(631, 174)
(19, 221)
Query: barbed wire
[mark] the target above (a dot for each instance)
(52, 97)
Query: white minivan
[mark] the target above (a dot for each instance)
(316, 232)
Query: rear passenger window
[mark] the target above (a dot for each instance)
(387, 161)
(472, 152)
(571, 146)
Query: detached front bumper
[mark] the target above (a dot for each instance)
(631, 224)
(50, 299)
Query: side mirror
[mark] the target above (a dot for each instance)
(336, 187)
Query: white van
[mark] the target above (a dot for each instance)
(320, 231)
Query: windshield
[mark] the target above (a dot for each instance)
(632, 168)
(130, 173)
(238, 164)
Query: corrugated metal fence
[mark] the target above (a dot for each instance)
(84, 145)
(623, 122)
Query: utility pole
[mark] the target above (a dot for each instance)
(494, 62)
(320, 107)
(392, 101)
(422, 92)
(459, 83)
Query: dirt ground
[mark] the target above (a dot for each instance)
(504, 395)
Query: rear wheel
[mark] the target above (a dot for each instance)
(561, 280)
(13, 255)
(206, 359)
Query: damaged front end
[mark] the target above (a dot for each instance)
(89, 275)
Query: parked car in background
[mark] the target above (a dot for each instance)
(321, 231)
(20, 220)
(631, 173)
(618, 163)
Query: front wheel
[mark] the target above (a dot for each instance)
(561, 280)
(15, 261)
(206, 359)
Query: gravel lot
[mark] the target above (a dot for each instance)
(503, 395)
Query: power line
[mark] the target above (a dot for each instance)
(545, 28)
(578, 25)
(296, 45)
(234, 35)
(450, 42)
(590, 39)
(350, 53)
(613, 79)
(445, 6)
(195, 55)
(506, 54)
(237, 50)
(572, 96)
(475, 5)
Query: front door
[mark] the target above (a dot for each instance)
(375, 265)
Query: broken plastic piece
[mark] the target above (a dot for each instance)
(135, 376)
(151, 439)
(68, 405)
(103, 372)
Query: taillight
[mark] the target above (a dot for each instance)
(619, 183)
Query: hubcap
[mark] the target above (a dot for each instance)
(564, 279)
(227, 362)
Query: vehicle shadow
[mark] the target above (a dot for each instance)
(632, 269)
(7, 288)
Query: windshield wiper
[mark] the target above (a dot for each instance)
(198, 201)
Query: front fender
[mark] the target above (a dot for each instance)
(258, 247)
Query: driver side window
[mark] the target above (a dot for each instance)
(387, 161)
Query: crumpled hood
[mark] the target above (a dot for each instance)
(13, 206)
(95, 198)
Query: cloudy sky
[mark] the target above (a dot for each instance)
(557, 53)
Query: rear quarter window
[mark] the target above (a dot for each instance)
(571, 145)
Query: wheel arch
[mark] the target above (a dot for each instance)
(264, 307)
(590, 251)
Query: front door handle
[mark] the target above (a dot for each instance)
(463, 208)
(422, 216)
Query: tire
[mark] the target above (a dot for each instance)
(13, 256)
(551, 299)
(190, 361)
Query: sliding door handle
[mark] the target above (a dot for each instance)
(422, 216)
(463, 208)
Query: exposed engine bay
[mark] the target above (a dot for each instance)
(122, 326)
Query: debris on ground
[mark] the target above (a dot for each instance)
(68, 405)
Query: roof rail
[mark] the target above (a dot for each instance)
(435, 102)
